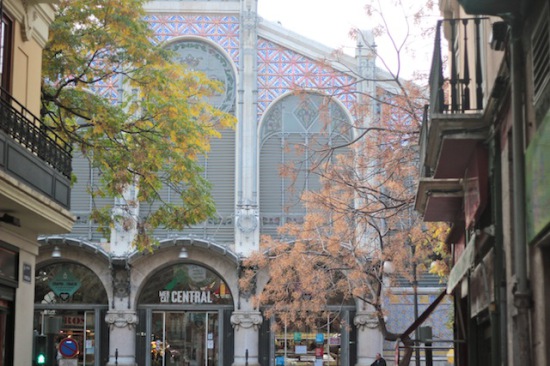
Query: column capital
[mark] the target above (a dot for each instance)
(246, 319)
(121, 318)
(366, 319)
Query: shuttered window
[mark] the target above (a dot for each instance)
(82, 202)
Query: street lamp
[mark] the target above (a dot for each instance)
(415, 302)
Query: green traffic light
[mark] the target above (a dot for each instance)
(41, 359)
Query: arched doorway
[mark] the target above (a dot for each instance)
(184, 318)
(70, 304)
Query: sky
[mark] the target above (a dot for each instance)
(329, 23)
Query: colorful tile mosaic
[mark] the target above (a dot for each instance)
(109, 88)
(401, 316)
(223, 30)
(281, 70)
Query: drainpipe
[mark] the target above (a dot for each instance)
(498, 316)
(522, 293)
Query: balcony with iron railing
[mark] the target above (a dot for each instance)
(456, 120)
(33, 153)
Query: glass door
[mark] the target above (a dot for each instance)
(184, 339)
(88, 342)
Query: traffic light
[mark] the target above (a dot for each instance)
(40, 342)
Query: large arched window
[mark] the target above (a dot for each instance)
(68, 283)
(202, 56)
(297, 133)
(186, 284)
(219, 165)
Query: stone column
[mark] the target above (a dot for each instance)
(122, 346)
(369, 337)
(247, 233)
(247, 325)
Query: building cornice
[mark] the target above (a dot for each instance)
(35, 17)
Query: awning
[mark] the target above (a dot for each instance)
(462, 265)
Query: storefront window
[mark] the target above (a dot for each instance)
(320, 345)
(70, 333)
(4, 335)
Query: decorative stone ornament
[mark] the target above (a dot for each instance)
(35, 17)
(247, 219)
(121, 319)
(246, 319)
(369, 320)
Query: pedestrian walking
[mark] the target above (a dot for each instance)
(379, 361)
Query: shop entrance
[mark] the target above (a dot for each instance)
(184, 318)
(184, 338)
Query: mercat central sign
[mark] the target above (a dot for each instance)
(185, 297)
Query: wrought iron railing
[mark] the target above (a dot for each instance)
(462, 90)
(423, 143)
(29, 131)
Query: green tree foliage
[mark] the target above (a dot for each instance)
(150, 137)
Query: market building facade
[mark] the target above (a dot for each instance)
(181, 303)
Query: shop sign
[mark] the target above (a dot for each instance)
(64, 284)
(27, 272)
(185, 297)
(73, 322)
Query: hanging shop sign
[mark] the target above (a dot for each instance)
(185, 297)
(64, 284)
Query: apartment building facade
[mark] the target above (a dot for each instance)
(35, 169)
(482, 171)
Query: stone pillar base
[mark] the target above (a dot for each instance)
(367, 361)
(122, 361)
(246, 364)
